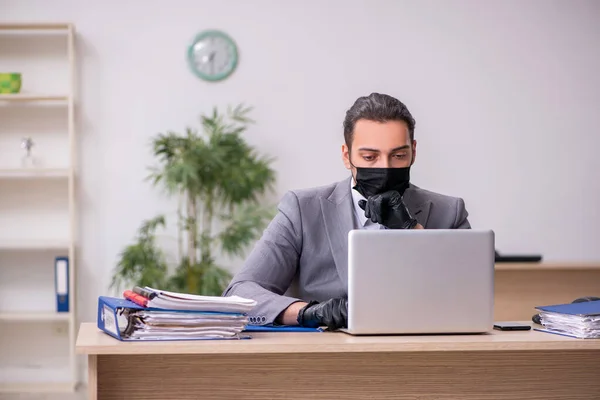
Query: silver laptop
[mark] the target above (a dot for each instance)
(431, 281)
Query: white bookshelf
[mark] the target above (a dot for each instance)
(37, 208)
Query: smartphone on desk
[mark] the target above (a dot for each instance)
(511, 326)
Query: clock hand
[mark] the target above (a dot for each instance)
(211, 60)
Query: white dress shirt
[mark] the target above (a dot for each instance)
(359, 214)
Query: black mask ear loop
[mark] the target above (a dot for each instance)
(352, 165)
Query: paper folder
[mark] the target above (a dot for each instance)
(584, 309)
(61, 283)
(576, 320)
(112, 319)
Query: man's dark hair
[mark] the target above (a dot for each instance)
(377, 107)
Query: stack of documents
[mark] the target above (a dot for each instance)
(181, 301)
(147, 324)
(579, 320)
(162, 315)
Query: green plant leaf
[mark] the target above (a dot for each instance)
(141, 263)
(215, 174)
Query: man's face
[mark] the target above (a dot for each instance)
(380, 145)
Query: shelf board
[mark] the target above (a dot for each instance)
(28, 173)
(37, 387)
(35, 26)
(40, 244)
(32, 316)
(24, 97)
(43, 378)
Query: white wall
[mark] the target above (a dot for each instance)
(505, 94)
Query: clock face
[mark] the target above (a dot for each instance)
(213, 55)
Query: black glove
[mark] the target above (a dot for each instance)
(333, 313)
(389, 210)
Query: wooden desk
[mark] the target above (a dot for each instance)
(519, 288)
(498, 365)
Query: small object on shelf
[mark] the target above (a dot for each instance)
(61, 269)
(27, 161)
(10, 82)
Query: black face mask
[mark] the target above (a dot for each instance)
(371, 181)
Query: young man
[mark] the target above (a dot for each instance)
(306, 243)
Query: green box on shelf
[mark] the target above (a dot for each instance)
(10, 82)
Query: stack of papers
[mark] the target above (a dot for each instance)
(156, 325)
(579, 320)
(183, 301)
(572, 325)
(153, 314)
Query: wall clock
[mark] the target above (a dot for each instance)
(213, 55)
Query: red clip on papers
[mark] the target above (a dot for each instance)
(136, 298)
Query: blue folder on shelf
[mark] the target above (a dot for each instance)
(61, 283)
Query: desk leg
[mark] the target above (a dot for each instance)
(92, 377)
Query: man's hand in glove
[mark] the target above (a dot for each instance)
(389, 210)
(333, 313)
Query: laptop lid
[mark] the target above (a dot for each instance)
(420, 281)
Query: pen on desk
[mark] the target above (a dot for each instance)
(136, 298)
(149, 294)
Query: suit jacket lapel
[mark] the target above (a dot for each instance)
(338, 216)
(418, 207)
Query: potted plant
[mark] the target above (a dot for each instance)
(219, 180)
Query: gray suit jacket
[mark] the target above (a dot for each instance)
(303, 253)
